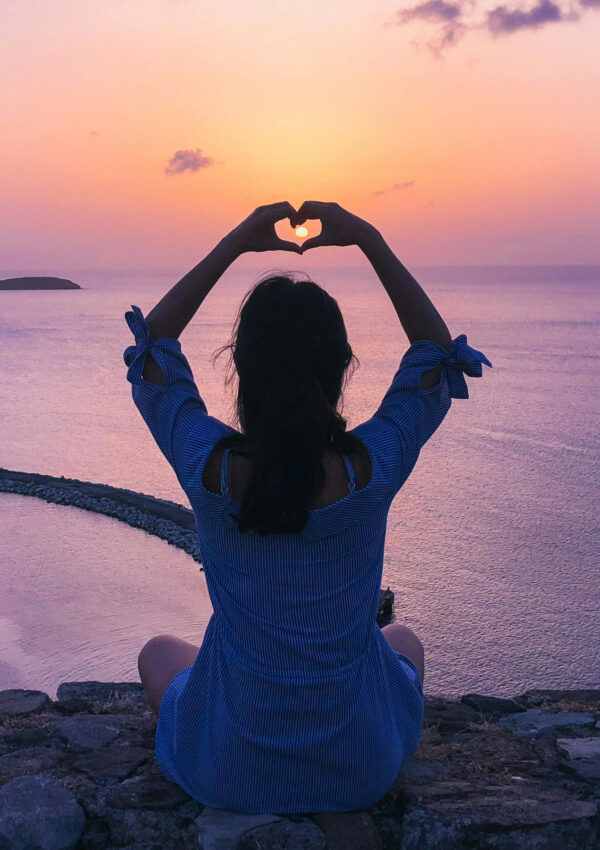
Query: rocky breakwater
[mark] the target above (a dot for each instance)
(509, 774)
(165, 519)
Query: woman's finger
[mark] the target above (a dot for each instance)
(316, 242)
(283, 209)
(310, 209)
(283, 245)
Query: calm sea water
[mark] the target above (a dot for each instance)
(492, 544)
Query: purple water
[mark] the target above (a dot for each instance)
(492, 546)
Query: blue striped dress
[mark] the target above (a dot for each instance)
(296, 702)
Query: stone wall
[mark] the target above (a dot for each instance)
(519, 774)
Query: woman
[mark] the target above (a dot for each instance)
(296, 701)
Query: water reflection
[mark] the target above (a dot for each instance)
(82, 593)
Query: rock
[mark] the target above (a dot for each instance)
(420, 830)
(284, 833)
(491, 705)
(348, 830)
(97, 835)
(71, 706)
(88, 732)
(28, 761)
(138, 731)
(29, 737)
(450, 717)
(39, 812)
(587, 771)
(580, 748)
(527, 816)
(538, 696)
(100, 691)
(222, 829)
(535, 720)
(111, 764)
(146, 792)
(15, 702)
(413, 771)
(152, 830)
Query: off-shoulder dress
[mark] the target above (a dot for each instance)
(296, 701)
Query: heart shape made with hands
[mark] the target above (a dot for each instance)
(301, 232)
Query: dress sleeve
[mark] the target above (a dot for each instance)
(174, 412)
(408, 416)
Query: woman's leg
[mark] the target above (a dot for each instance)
(161, 659)
(404, 640)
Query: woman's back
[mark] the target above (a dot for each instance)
(336, 485)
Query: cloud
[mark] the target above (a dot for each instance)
(395, 188)
(446, 16)
(432, 10)
(503, 21)
(187, 161)
(449, 20)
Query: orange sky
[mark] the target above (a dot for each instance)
(498, 136)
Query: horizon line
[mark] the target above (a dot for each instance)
(171, 270)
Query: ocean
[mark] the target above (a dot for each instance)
(493, 542)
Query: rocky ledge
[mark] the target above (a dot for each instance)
(80, 772)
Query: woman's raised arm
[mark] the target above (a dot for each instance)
(176, 309)
(415, 309)
(416, 312)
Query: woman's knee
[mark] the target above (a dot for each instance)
(153, 647)
(404, 640)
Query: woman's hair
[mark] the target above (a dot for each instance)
(291, 353)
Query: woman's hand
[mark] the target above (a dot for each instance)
(257, 232)
(339, 227)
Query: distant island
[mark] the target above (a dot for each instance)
(38, 283)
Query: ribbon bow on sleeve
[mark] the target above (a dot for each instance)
(135, 355)
(424, 355)
(462, 358)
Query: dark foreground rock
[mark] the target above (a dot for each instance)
(38, 811)
(80, 772)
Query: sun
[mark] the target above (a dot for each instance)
(301, 231)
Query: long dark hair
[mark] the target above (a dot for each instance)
(291, 353)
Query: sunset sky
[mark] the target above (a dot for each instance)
(136, 134)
